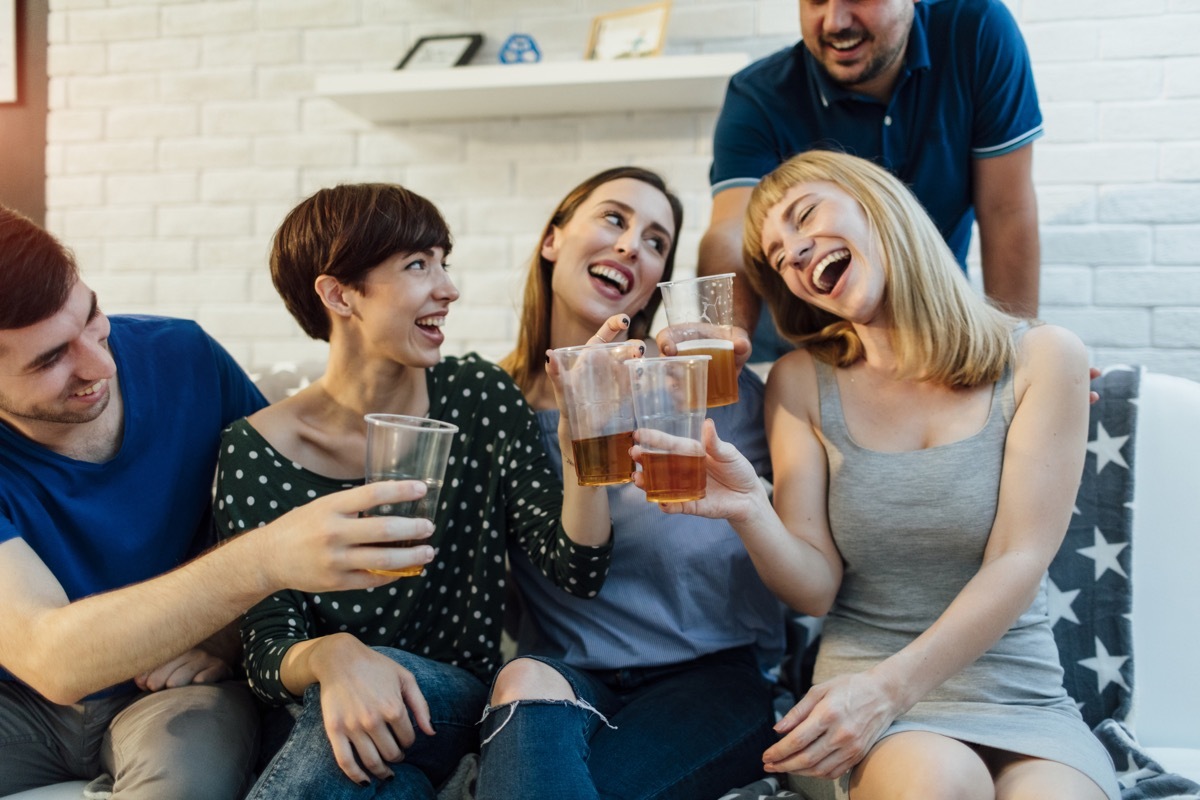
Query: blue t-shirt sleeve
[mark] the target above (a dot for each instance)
(1007, 113)
(742, 148)
(7, 529)
(239, 396)
(760, 124)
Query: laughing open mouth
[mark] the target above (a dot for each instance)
(610, 275)
(431, 322)
(826, 273)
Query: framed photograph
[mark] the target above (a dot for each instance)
(8, 51)
(631, 33)
(439, 52)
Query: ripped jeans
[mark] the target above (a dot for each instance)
(681, 732)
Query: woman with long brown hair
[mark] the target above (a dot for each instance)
(655, 688)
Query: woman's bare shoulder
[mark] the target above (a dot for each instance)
(1050, 354)
(792, 384)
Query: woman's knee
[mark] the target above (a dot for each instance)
(922, 766)
(529, 679)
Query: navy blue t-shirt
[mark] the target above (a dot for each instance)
(99, 527)
(965, 91)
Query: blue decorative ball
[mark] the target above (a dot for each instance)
(520, 48)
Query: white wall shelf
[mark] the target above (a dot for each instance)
(664, 83)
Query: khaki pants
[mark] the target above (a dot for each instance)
(196, 741)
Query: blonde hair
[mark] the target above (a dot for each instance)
(527, 360)
(943, 330)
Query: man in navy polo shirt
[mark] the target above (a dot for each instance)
(111, 658)
(938, 92)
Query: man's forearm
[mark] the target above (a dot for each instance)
(721, 252)
(79, 648)
(1006, 211)
(66, 650)
(1011, 256)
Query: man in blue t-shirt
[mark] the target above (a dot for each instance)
(939, 92)
(114, 646)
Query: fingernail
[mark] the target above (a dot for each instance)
(624, 320)
(641, 349)
(547, 358)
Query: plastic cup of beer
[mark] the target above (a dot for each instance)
(669, 400)
(700, 318)
(404, 448)
(599, 406)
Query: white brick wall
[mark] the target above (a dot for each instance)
(181, 132)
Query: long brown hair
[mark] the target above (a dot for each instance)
(527, 360)
(943, 330)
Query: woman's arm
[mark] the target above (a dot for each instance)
(790, 544)
(837, 722)
(539, 516)
(365, 701)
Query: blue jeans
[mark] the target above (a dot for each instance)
(305, 767)
(686, 732)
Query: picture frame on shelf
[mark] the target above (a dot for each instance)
(630, 33)
(440, 52)
(8, 52)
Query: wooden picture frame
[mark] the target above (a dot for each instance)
(440, 52)
(8, 52)
(631, 33)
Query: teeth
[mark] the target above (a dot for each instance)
(832, 258)
(614, 275)
(434, 322)
(846, 44)
(95, 387)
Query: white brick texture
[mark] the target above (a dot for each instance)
(182, 131)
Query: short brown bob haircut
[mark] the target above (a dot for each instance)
(345, 232)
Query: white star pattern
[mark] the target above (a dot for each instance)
(1107, 448)
(1106, 667)
(1105, 555)
(1132, 773)
(1058, 603)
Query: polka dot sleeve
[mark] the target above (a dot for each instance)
(533, 502)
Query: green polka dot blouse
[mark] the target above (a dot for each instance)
(500, 490)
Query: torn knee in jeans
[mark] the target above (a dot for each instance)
(511, 708)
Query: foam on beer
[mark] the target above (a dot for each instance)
(704, 344)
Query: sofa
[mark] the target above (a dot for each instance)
(1146, 488)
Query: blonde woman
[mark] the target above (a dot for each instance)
(926, 449)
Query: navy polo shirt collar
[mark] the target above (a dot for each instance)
(916, 57)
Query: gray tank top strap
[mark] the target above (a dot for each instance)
(833, 422)
(1006, 389)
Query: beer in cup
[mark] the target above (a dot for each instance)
(599, 407)
(700, 318)
(404, 448)
(669, 400)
